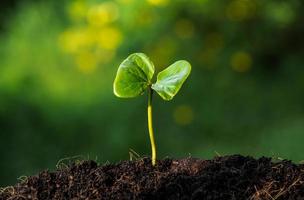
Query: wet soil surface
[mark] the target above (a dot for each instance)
(230, 177)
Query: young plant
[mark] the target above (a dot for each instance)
(134, 77)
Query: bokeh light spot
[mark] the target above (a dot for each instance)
(109, 38)
(102, 14)
(146, 17)
(183, 115)
(241, 61)
(239, 10)
(72, 40)
(158, 2)
(184, 28)
(125, 1)
(77, 10)
(281, 13)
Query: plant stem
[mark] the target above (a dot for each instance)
(150, 125)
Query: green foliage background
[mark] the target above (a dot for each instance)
(58, 60)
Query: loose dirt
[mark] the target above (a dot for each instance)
(230, 177)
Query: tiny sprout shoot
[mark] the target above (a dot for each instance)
(134, 77)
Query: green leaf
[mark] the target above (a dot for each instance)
(170, 80)
(133, 76)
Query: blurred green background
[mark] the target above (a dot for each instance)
(58, 60)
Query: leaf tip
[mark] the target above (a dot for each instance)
(187, 64)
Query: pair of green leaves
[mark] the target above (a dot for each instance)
(135, 73)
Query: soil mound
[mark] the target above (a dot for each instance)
(223, 178)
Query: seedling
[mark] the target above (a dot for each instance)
(134, 77)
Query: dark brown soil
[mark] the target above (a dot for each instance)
(229, 177)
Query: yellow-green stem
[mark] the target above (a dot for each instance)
(150, 126)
